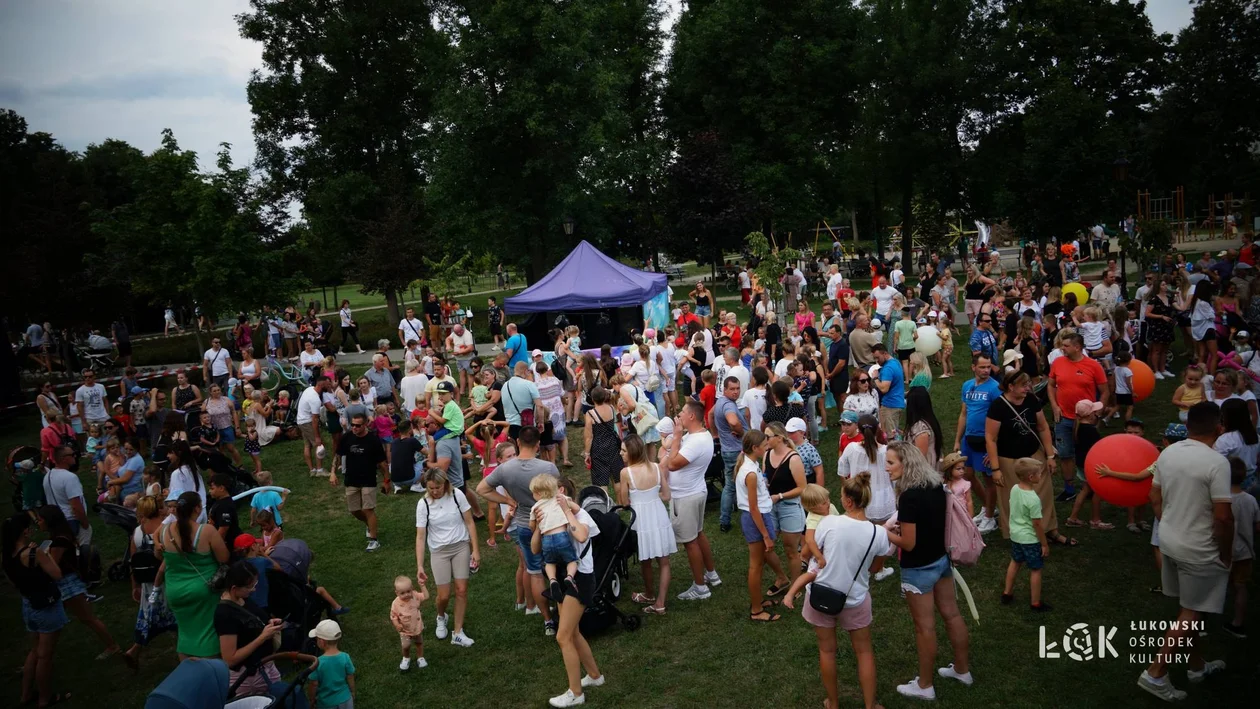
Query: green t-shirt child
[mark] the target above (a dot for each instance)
(480, 394)
(904, 329)
(1025, 507)
(454, 417)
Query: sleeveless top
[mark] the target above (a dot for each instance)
(702, 300)
(974, 290)
(183, 396)
(779, 476)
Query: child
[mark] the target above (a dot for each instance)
(1124, 382)
(152, 478)
(250, 550)
(267, 500)
(1246, 523)
(283, 405)
(1028, 537)
(947, 345)
(759, 344)
(1086, 433)
(708, 392)
(271, 532)
(252, 446)
(1190, 392)
(384, 426)
(1137, 525)
(904, 335)
(479, 395)
(93, 440)
(817, 502)
(954, 468)
(497, 455)
(404, 613)
(1091, 329)
(204, 437)
(331, 686)
(548, 519)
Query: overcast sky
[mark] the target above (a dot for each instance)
(88, 70)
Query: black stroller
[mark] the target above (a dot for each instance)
(216, 462)
(291, 595)
(124, 519)
(612, 549)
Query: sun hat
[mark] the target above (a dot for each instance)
(1010, 357)
(949, 461)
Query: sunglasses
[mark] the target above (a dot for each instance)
(358, 425)
(864, 381)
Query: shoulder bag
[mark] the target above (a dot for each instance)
(830, 601)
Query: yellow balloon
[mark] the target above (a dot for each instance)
(1078, 290)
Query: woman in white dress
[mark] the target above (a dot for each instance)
(642, 486)
(260, 414)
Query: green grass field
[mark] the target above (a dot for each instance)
(702, 654)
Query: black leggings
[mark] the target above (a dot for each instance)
(349, 332)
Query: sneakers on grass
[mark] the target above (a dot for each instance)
(695, 593)
(440, 627)
(461, 640)
(951, 673)
(884, 573)
(405, 664)
(711, 578)
(589, 681)
(914, 691)
(568, 699)
(1209, 668)
(373, 545)
(1160, 687)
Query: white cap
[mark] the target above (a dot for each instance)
(876, 323)
(665, 426)
(326, 630)
(795, 425)
(536, 353)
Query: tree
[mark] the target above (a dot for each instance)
(706, 202)
(343, 113)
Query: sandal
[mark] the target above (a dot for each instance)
(642, 598)
(1133, 527)
(491, 543)
(764, 617)
(1069, 522)
(1101, 526)
(653, 610)
(1064, 541)
(769, 603)
(775, 590)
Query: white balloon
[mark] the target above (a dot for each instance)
(929, 342)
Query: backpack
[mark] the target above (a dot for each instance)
(144, 563)
(89, 563)
(962, 538)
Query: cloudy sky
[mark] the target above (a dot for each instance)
(87, 70)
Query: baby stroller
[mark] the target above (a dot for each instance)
(216, 462)
(612, 550)
(291, 594)
(124, 519)
(714, 475)
(203, 684)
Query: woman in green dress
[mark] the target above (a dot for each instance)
(191, 554)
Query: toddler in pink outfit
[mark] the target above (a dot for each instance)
(404, 613)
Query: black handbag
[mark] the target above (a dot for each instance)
(829, 601)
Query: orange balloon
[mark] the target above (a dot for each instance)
(1143, 379)
(1123, 453)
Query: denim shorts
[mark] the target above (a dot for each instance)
(1029, 554)
(752, 535)
(923, 579)
(789, 516)
(533, 562)
(227, 434)
(44, 620)
(704, 311)
(1065, 438)
(70, 586)
(558, 549)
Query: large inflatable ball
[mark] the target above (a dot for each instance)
(1143, 379)
(929, 342)
(1078, 290)
(1123, 453)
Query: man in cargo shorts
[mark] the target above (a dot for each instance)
(364, 455)
(688, 455)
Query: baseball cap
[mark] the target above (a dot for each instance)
(445, 388)
(1222, 254)
(244, 541)
(326, 630)
(876, 323)
(1084, 407)
(649, 334)
(849, 417)
(536, 353)
(795, 425)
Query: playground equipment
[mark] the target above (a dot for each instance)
(1225, 212)
(1171, 209)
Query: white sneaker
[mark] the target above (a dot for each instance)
(1209, 668)
(883, 573)
(988, 524)
(979, 516)
(1161, 687)
(405, 664)
(711, 578)
(440, 630)
(1159, 376)
(533, 611)
(312, 473)
(519, 606)
(418, 487)
(421, 663)
(367, 533)
(912, 689)
(950, 673)
(1167, 374)
(695, 593)
(588, 681)
(398, 490)
(567, 699)
(461, 640)
(373, 545)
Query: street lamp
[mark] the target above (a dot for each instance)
(1120, 172)
(568, 225)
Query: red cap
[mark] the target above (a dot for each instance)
(244, 541)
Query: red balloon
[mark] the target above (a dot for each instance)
(1123, 453)
(1143, 379)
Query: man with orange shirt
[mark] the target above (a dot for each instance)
(1073, 377)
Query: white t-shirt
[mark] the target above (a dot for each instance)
(843, 542)
(345, 317)
(465, 340)
(750, 467)
(1191, 477)
(1246, 511)
(639, 373)
(309, 406)
(1232, 444)
(412, 390)
(60, 487)
(754, 402)
(92, 399)
(834, 284)
(586, 561)
(443, 518)
(884, 300)
(688, 480)
(314, 358)
(896, 276)
(218, 361)
(745, 281)
(669, 361)
(781, 367)
(853, 461)
(185, 480)
(1124, 380)
(411, 329)
(708, 347)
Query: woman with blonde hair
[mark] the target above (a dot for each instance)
(919, 371)
(785, 481)
(974, 290)
(153, 617)
(644, 488)
(444, 527)
(753, 500)
(926, 574)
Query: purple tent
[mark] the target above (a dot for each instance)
(586, 280)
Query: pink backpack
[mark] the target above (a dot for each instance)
(962, 539)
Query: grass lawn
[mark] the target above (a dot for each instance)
(702, 654)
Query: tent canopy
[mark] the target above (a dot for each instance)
(585, 280)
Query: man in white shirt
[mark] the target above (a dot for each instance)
(883, 295)
(745, 285)
(460, 343)
(91, 399)
(217, 364)
(63, 489)
(411, 328)
(753, 402)
(1191, 499)
(687, 457)
(803, 280)
(1106, 294)
(730, 366)
(834, 283)
(412, 387)
(310, 407)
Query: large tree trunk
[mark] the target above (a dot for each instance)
(879, 216)
(907, 224)
(391, 305)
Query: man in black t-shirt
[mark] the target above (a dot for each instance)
(364, 454)
(433, 320)
(223, 508)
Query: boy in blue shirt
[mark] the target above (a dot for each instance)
(332, 684)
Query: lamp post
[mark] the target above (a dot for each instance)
(568, 225)
(1120, 172)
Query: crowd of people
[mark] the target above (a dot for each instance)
(707, 407)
